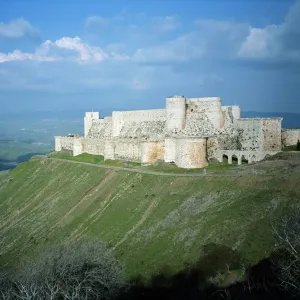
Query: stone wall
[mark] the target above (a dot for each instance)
(290, 137)
(143, 130)
(204, 117)
(93, 146)
(128, 150)
(257, 134)
(208, 107)
(152, 152)
(127, 121)
(109, 150)
(170, 150)
(57, 142)
(233, 111)
(271, 134)
(101, 128)
(64, 142)
(121, 149)
(78, 146)
(249, 134)
(250, 156)
(212, 147)
(191, 153)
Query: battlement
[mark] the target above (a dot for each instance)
(205, 99)
(92, 115)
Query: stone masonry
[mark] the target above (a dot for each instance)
(188, 132)
(290, 137)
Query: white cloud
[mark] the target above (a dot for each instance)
(46, 52)
(209, 38)
(17, 29)
(139, 29)
(85, 52)
(18, 55)
(181, 49)
(258, 43)
(279, 43)
(228, 40)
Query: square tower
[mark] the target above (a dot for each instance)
(88, 120)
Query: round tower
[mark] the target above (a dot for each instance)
(176, 107)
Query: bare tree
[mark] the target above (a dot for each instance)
(286, 231)
(79, 270)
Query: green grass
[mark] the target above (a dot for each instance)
(171, 168)
(94, 159)
(2, 173)
(150, 222)
(84, 157)
(161, 167)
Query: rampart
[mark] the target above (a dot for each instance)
(64, 143)
(188, 132)
(259, 134)
(138, 123)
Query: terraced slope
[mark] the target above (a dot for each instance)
(149, 221)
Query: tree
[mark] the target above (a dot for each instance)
(298, 146)
(287, 236)
(79, 270)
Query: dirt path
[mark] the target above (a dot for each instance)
(145, 171)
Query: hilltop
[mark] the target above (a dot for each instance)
(150, 222)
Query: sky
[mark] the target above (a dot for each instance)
(92, 55)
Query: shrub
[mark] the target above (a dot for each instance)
(80, 270)
(287, 237)
(298, 146)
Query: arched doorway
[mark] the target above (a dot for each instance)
(244, 159)
(225, 159)
(234, 159)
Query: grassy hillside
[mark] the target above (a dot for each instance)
(150, 222)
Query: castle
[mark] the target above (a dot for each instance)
(188, 132)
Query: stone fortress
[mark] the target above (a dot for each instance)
(188, 132)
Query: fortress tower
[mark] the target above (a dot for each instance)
(88, 119)
(176, 110)
(201, 110)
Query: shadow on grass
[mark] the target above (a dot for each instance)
(193, 282)
(259, 282)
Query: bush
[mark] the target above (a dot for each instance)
(287, 237)
(80, 270)
(298, 146)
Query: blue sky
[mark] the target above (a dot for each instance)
(60, 55)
